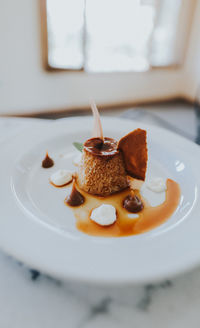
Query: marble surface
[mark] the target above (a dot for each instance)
(29, 299)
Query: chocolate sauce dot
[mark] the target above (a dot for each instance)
(47, 162)
(75, 198)
(133, 204)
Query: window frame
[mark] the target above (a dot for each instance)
(187, 12)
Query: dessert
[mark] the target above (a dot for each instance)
(106, 163)
(106, 194)
(101, 171)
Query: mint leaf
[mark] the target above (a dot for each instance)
(78, 145)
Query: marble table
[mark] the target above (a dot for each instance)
(29, 299)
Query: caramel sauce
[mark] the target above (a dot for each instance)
(149, 217)
(47, 162)
(64, 185)
(99, 147)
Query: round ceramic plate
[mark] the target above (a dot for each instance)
(38, 229)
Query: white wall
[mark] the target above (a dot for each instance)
(26, 87)
(191, 75)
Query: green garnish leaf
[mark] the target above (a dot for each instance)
(78, 145)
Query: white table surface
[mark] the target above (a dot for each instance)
(31, 300)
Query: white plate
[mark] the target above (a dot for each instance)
(38, 229)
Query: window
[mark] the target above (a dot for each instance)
(115, 35)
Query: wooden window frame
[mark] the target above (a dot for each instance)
(187, 5)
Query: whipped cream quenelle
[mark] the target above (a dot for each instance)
(104, 215)
(61, 177)
(157, 185)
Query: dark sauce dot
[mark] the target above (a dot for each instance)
(47, 162)
(133, 204)
(75, 198)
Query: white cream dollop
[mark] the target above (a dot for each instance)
(157, 184)
(135, 184)
(61, 177)
(104, 215)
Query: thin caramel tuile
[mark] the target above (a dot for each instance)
(134, 149)
(97, 130)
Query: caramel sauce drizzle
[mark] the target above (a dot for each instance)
(149, 217)
(61, 186)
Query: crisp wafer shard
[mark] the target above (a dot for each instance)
(97, 130)
(134, 150)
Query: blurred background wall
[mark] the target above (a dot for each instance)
(26, 87)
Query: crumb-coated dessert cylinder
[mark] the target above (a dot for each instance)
(102, 170)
